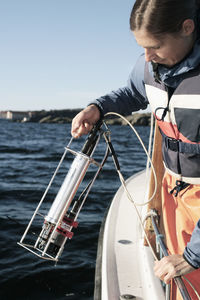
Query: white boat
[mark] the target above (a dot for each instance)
(124, 267)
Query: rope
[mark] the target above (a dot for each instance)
(124, 183)
(147, 154)
(137, 211)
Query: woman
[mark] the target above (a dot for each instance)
(168, 77)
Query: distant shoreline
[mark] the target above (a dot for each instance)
(66, 115)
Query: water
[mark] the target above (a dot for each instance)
(29, 154)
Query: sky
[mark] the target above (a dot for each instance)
(60, 54)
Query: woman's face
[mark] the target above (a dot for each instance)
(167, 50)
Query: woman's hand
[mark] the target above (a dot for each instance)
(84, 121)
(171, 266)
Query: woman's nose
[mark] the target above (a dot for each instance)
(149, 54)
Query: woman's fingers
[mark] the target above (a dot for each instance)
(84, 121)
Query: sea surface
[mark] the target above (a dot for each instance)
(29, 155)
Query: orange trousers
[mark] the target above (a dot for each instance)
(180, 215)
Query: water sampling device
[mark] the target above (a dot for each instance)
(61, 218)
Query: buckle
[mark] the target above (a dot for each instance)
(172, 144)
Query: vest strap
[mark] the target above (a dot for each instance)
(179, 146)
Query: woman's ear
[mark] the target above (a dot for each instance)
(188, 27)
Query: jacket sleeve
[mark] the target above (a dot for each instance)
(127, 99)
(192, 250)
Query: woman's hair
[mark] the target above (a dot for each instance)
(162, 16)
